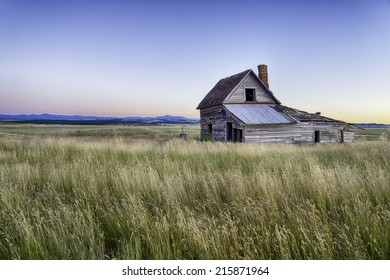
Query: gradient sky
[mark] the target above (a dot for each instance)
(148, 58)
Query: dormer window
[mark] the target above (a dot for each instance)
(250, 94)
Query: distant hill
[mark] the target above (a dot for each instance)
(372, 125)
(52, 117)
(91, 120)
(138, 120)
(162, 118)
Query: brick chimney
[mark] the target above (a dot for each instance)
(263, 74)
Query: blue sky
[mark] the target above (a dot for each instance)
(121, 58)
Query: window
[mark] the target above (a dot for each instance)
(233, 134)
(229, 131)
(250, 94)
(239, 138)
(237, 135)
(210, 128)
(317, 136)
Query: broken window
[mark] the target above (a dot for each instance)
(237, 135)
(250, 94)
(210, 128)
(239, 138)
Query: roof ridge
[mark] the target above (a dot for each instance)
(241, 73)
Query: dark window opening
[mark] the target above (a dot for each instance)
(317, 136)
(229, 131)
(210, 128)
(250, 94)
(237, 135)
(341, 136)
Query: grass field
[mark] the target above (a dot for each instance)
(98, 132)
(371, 134)
(71, 192)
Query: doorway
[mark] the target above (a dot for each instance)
(229, 132)
(317, 136)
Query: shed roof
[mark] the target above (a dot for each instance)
(303, 116)
(260, 113)
(225, 86)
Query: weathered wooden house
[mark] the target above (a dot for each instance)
(241, 108)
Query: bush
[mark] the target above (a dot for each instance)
(204, 137)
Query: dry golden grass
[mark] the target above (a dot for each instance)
(111, 197)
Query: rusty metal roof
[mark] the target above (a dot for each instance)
(260, 113)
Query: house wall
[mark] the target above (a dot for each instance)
(216, 116)
(331, 132)
(349, 136)
(236, 133)
(279, 133)
(295, 133)
(236, 123)
(238, 95)
(302, 132)
(328, 133)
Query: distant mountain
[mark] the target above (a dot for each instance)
(52, 117)
(176, 118)
(162, 118)
(77, 119)
(138, 118)
(373, 125)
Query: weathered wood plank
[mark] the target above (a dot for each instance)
(238, 96)
(302, 132)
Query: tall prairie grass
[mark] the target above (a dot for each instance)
(68, 198)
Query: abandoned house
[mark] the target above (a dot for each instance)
(241, 108)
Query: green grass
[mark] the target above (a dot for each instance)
(123, 196)
(370, 134)
(93, 132)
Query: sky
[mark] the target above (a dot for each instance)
(150, 58)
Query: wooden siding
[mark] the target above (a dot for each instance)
(302, 132)
(349, 136)
(331, 132)
(236, 123)
(282, 133)
(216, 116)
(238, 95)
(295, 133)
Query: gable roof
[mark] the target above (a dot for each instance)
(221, 90)
(225, 86)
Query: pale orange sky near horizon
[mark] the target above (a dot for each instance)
(162, 57)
